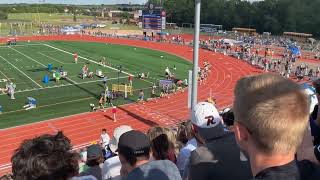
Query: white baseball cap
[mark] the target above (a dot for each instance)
(116, 136)
(206, 117)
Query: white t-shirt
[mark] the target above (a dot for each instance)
(111, 169)
(104, 139)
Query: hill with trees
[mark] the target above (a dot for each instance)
(275, 16)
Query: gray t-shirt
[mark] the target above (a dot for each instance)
(218, 159)
(155, 170)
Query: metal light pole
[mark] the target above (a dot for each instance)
(119, 71)
(194, 96)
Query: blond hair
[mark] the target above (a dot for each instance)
(157, 131)
(274, 110)
(163, 143)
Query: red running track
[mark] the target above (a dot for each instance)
(85, 128)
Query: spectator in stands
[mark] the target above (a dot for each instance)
(94, 162)
(186, 136)
(162, 144)
(271, 116)
(83, 160)
(47, 157)
(134, 153)
(217, 150)
(111, 167)
(104, 139)
(185, 133)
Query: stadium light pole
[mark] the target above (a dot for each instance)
(194, 95)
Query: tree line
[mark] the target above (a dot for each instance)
(275, 16)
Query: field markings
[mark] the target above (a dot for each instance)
(86, 59)
(28, 57)
(65, 85)
(38, 62)
(21, 72)
(51, 58)
(49, 105)
(5, 75)
(20, 45)
(65, 102)
(55, 58)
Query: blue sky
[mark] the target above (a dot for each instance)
(75, 1)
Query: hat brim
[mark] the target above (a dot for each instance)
(211, 133)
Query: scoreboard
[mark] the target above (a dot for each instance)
(153, 20)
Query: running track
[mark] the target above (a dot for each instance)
(85, 128)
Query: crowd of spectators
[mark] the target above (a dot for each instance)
(259, 138)
(264, 56)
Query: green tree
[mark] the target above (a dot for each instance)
(3, 15)
(126, 16)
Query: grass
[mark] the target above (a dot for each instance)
(25, 65)
(28, 23)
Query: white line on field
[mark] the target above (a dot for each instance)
(85, 58)
(51, 58)
(21, 72)
(21, 45)
(28, 57)
(57, 59)
(5, 75)
(49, 105)
(65, 85)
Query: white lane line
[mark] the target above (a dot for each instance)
(85, 59)
(21, 72)
(64, 85)
(55, 58)
(28, 57)
(20, 45)
(49, 105)
(51, 58)
(5, 75)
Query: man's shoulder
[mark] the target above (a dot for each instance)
(216, 159)
(309, 170)
(154, 170)
(305, 170)
(114, 161)
(226, 146)
(201, 154)
(89, 177)
(161, 164)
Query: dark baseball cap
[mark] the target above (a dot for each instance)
(134, 142)
(317, 152)
(94, 151)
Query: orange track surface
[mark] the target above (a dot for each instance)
(85, 128)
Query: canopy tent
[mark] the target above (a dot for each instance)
(70, 30)
(231, 41)
(294, 50)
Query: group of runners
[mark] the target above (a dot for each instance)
(203, 73)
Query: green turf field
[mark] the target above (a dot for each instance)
(26, 64)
